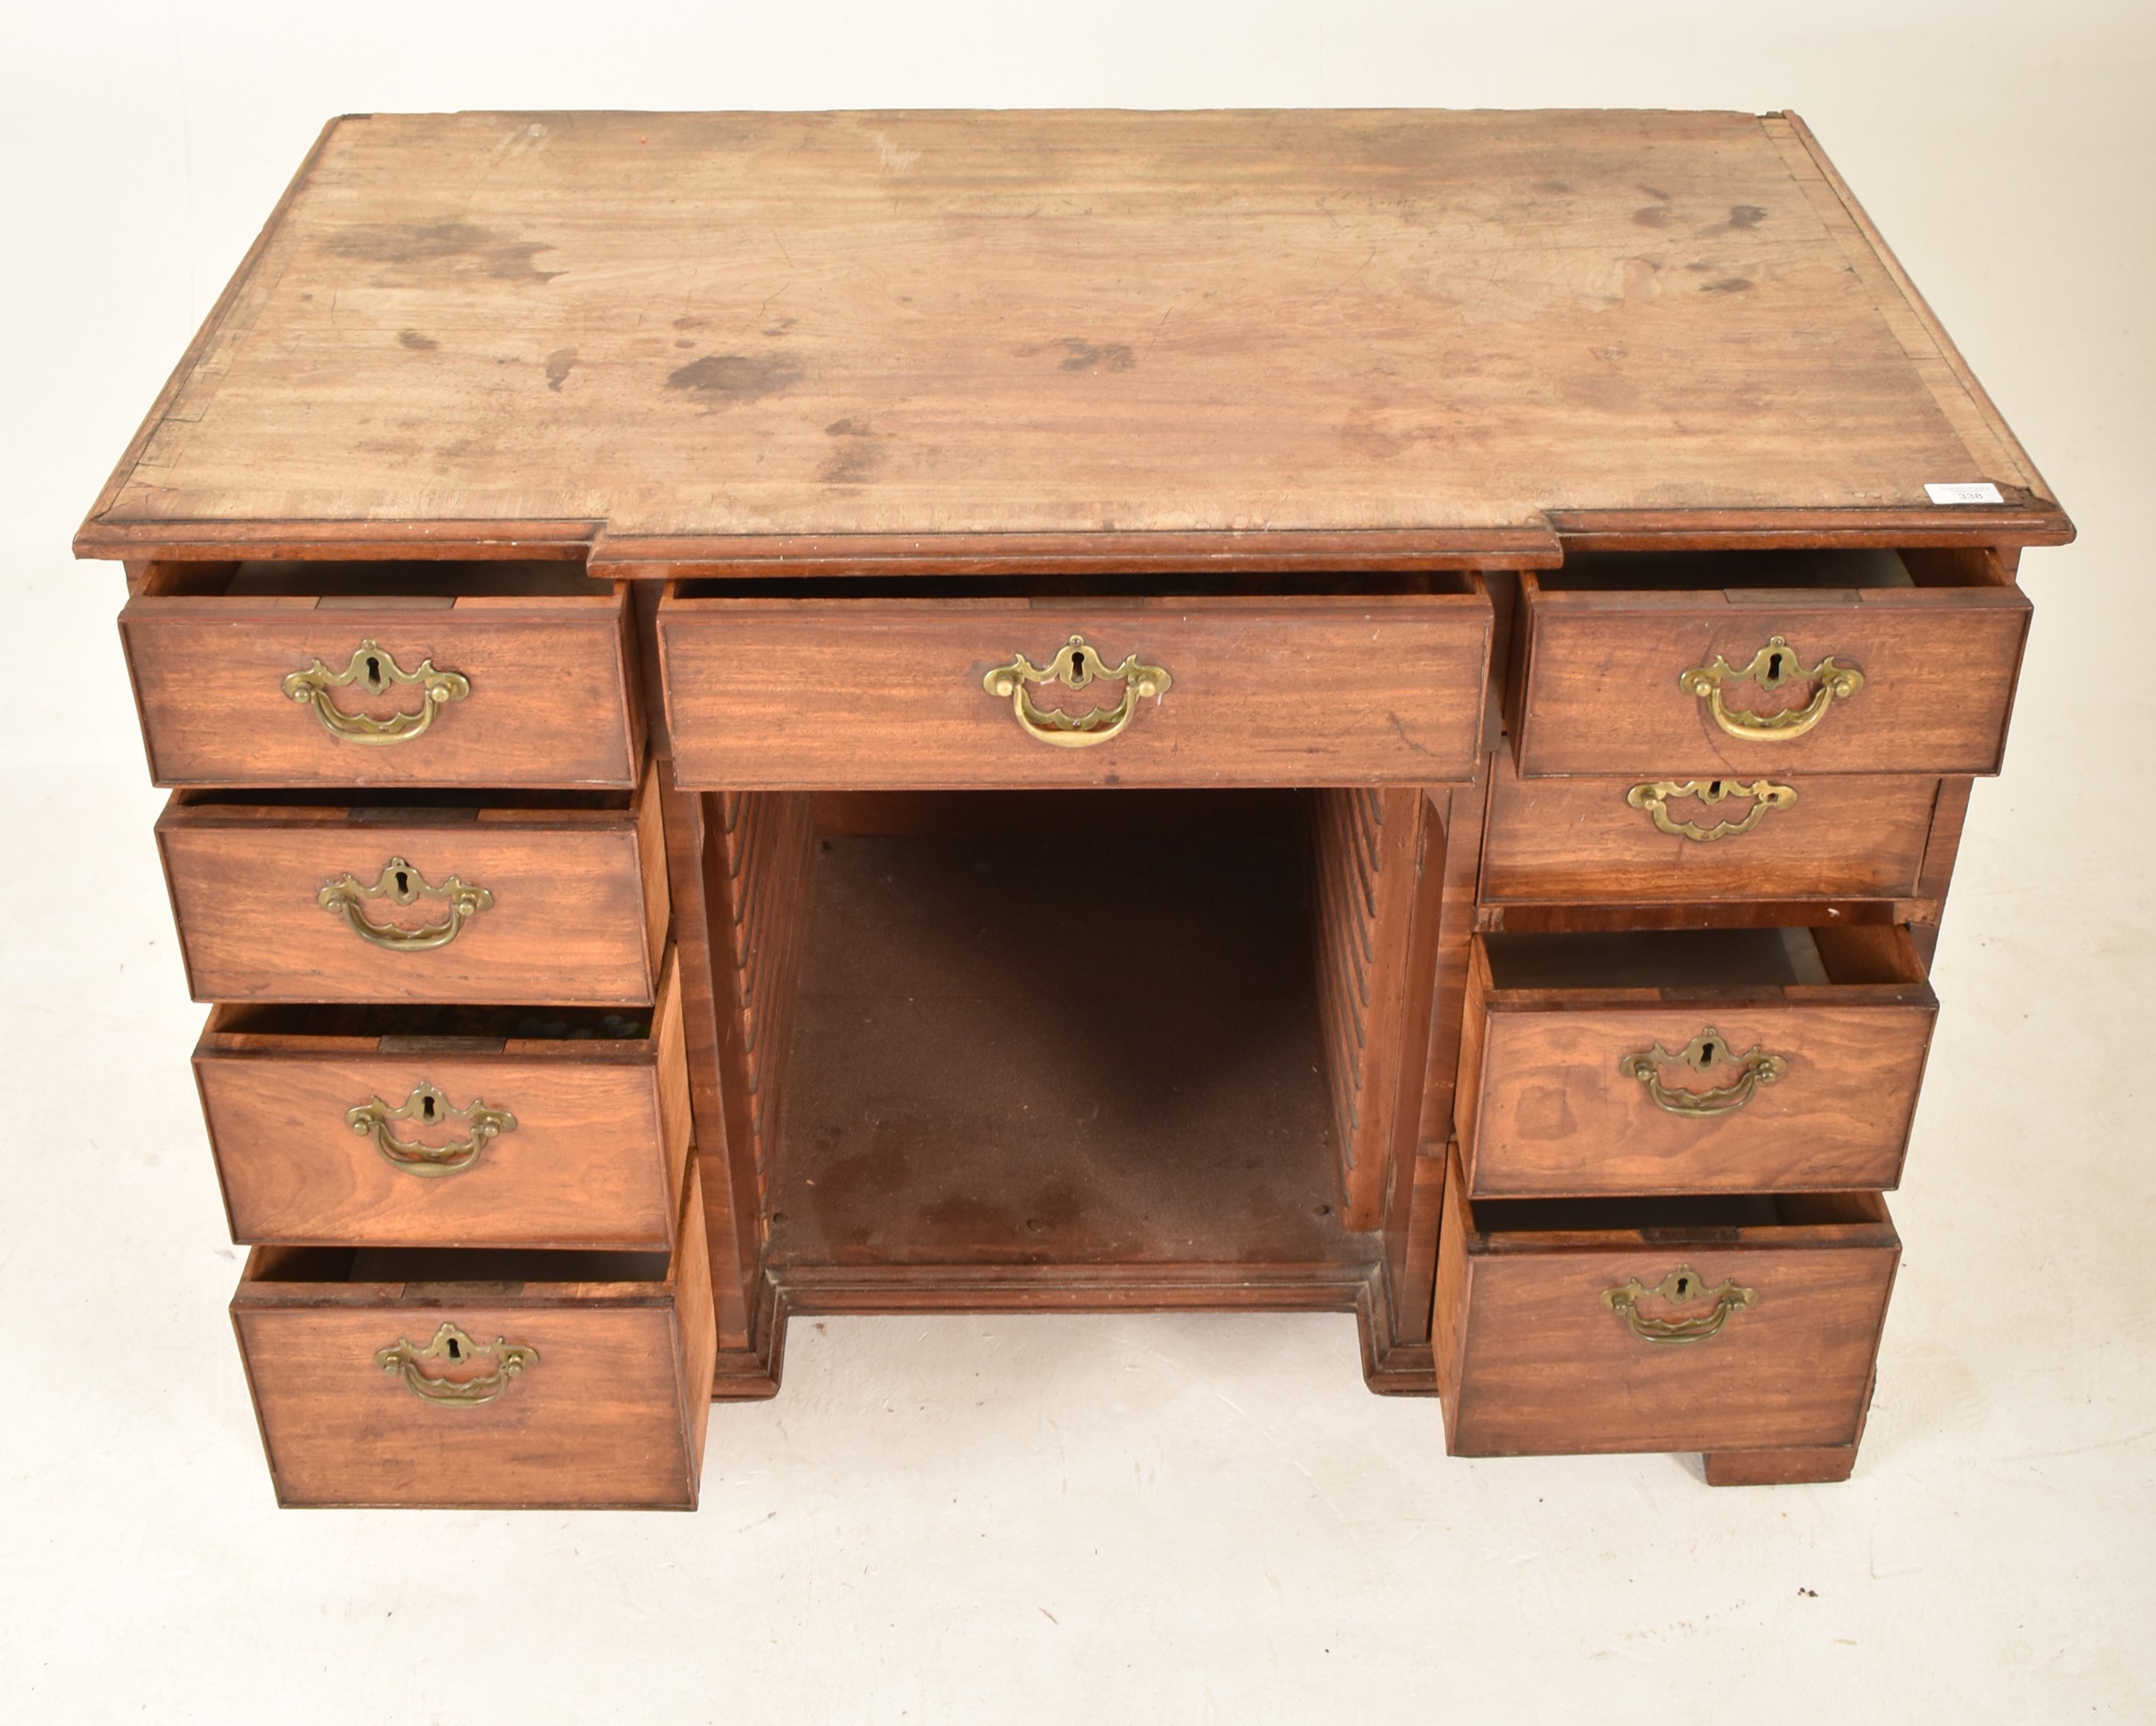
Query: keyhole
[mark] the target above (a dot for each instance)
(374, 673)
(1774, 667)
(404, 883)
(1714, 790)
(454, 1354)
(1707, 1054)
(426, 1108)
(1684, 1286)
(1077, 665)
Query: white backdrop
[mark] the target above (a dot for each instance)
(1141, 1518)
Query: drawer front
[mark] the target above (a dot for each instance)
(1680, 841)
(919, 694)
(272, 909)
(596, 1395)
(1568, 1097)
(487, 691)
(1606, 689)
(1567, 1349)
(332, 1140)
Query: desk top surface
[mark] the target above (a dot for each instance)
(1170, 333)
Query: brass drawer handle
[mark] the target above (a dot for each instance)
(401, 884)
(375, 672)
(501, 1362)
(1655, 798)
(1700, 1054)
(1729, 1297)
(370, 1120)
(1077, 664)
(1773, 666)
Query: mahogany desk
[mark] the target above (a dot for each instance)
(866, 712)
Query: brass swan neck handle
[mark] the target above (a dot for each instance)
(375, 670)
(432, 1374)
(401, 884)
(1657, 797)
(427, 1104)
(1683, 1284)
(1077, 664)
(1755, 1068)
(1773, 666)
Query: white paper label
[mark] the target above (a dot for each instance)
(1964, 491)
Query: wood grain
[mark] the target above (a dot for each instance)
(766, 841)
(572, 922)
(1373, 979)
(1547, 1109)
(695, 326)
(595, 1159)
(733, 1205)
(549, 703)
(859, 694)
(1538, 1365)
(604, 1418)
(1457, 819)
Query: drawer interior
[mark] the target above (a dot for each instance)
(422, 580)
(1770, 958)
(466, 1271)
(408, 804)
(1675, 1219)
(1194, 583)
(396, 1029)
(1625, 572)
(1051, 1028)
(1825, 571)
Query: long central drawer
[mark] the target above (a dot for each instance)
(896, 693)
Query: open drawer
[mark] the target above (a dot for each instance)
(557, 899)
(504, 1380)
(1691, 1061)
(1738, 664)
(450, 1125)
(1727, 1324)
(411, 673)
(922, 684)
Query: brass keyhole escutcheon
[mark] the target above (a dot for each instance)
(1755, 1067)
(1655, 797)
(1077, 665)
(1773, 666)
(428, 1106)
(1674, 1289)
(499, 1361)
(375, 671)
(402, 885)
